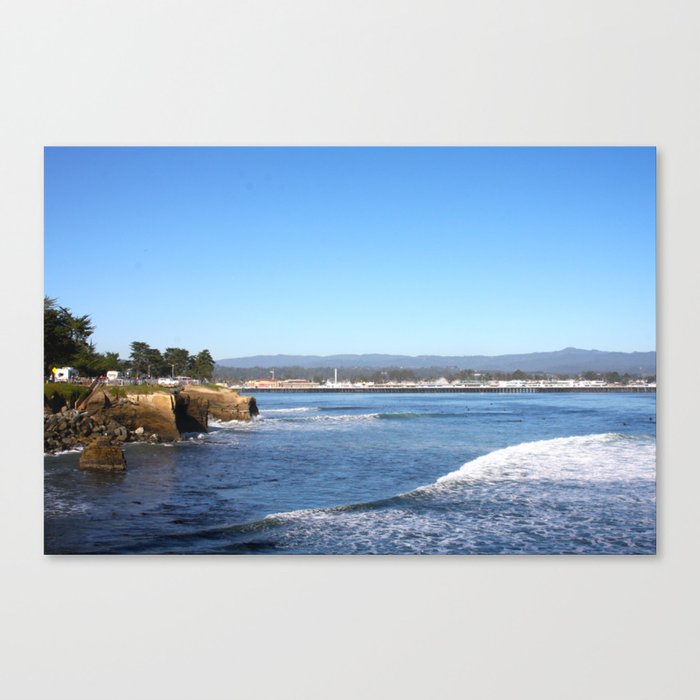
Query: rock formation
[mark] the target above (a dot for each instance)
(70, 428)
(191, 413)
(118, 416)
(155, 412)
(224, 404)
(66, 429)
(100, 454)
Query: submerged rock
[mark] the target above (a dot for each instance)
(101, 455)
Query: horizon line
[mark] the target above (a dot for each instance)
(401, 354)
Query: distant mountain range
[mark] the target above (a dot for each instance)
(566, 361)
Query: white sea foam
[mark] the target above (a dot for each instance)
(74, 450)
(325, 420)
(604, 457)
(55, 505)
(344, 418)
(214, 423)
(294, 419)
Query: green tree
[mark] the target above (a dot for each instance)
(156, 366)
(139, 357)
(111, 361)
(66, 337)
(86, 360)
(177, 360)
(203, 366)
(101, 363)
(401, 375)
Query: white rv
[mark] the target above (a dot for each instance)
(65, 374)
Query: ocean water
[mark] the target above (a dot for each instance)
(378, 474)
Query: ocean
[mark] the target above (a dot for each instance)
(564, 473)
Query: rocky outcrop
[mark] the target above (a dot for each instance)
(66, 429)
(100, 454)
(154, 413)
(70, 429)
(118, 416)
(224, 404)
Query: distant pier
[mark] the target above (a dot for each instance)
(454, 390)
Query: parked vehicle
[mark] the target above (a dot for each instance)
(64, 374)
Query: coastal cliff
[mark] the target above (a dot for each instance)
(154, 412)
(224, 404)
(139, 414)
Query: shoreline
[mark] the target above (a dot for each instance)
(451, 390)
(121, 415)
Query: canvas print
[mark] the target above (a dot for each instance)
(380, 350)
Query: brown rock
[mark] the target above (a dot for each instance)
(224, 404)
(155, 413)
(97, 400)
(101, 455)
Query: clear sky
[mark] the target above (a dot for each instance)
(450, 251)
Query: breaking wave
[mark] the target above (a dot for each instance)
(604, 457)
(323, 418)
(73, 450)
(494, 504)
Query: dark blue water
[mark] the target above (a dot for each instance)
(378, 473)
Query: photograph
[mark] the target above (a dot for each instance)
(262, 350)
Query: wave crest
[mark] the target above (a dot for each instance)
(601, 457)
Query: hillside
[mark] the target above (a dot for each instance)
(568, 360)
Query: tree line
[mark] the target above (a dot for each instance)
(67, 343)
(175, 362)
(399, 374)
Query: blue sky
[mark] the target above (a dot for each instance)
(451, 251)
